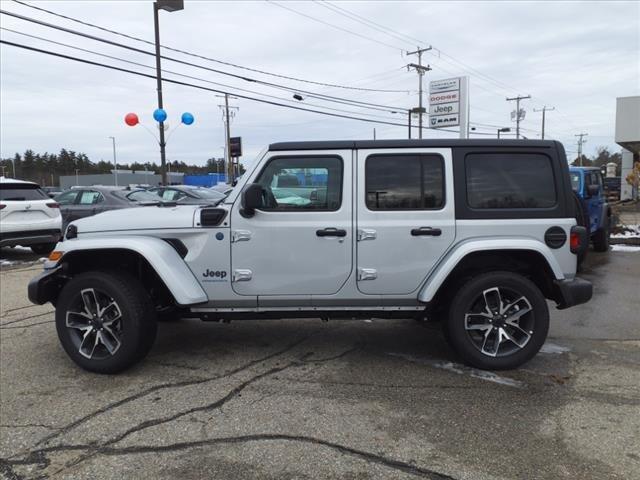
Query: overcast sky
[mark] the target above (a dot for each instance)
(574, 56)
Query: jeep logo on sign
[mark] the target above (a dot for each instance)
(214, 275)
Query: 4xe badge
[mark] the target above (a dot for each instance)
(214, 275)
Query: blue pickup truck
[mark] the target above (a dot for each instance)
(594, 212)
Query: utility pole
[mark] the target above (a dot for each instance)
(421, 71)
(374, 133)
(115, 163)
(409, 124)
(544, 110)
(518, 118)
(227, 115)
(581, 141)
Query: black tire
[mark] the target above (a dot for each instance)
(601, 239)
(533, 325)
(43, 248)
(133, 331)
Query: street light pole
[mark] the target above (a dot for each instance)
(115, 163)
(77, 183)
(169, 6)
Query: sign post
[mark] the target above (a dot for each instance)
(449, 104)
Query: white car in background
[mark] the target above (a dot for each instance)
(28, 217)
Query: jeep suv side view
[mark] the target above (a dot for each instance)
(478, 234)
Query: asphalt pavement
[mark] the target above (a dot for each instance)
(298, 399)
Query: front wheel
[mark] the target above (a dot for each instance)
(497, 321)
(105, 321)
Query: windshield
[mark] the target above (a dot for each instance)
(142, 196)
(207, 193)
(575, 181)
(21, 191)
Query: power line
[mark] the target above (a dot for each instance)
(381, 107)
(395, 47)
(200, 87)
(368, 23)
(93, 52)
(215, 60)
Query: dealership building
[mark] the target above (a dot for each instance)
(628, 137)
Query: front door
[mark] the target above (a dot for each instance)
(300, 241)
(405, 217)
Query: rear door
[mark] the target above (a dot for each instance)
(405, 217)
(89, 203)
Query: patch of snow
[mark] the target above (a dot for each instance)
(462, 370)
(549, 347)
(625, 248)
(629, 231)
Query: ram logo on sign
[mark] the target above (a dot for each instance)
(448, 104)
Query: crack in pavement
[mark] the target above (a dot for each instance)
(26, 326)
(39, 457)
(26, 318)
(71, 426)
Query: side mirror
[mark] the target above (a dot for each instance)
(593, 190)
(251, 199)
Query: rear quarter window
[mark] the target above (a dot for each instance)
(19, 191)
(509, 181)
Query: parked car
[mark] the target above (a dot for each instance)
(223, 188)
(188, 195)
(476, 233)
(596, 212)
(28, 217)
(81, 202)
(52, 191)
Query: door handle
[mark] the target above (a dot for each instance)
(426, 231)
(331, 232)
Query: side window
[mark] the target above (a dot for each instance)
(172, 195)
(404, 182)
(509, 180)
(302, 183)
(67, 198)
(90, 197)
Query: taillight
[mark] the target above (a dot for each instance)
(578, 239)
(2, 205)
(574, 242)
(53, 205)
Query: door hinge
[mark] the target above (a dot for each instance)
(240, 236)
(366, 234)
(241, 275)
(367, 274)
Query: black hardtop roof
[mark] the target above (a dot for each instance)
(410, 143)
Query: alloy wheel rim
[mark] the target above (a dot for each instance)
(95, 323)
(499, 322)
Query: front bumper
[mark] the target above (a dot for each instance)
(45, 287)
(33, 237)
(572, 292)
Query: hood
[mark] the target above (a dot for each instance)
(139, 218)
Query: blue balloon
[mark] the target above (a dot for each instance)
(159, 115)
(187, 118)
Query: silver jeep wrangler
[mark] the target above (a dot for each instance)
(475, 233)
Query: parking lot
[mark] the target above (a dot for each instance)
(344, 399)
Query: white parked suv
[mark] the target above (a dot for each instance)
(478, 234)
(28, 217)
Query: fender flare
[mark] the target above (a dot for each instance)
(452, 259)
(162, 257)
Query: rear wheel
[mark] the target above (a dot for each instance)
(43, 248)
(497, 321)
(105, 321)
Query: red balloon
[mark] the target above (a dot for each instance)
(131, 119)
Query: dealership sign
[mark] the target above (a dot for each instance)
(448, 104)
